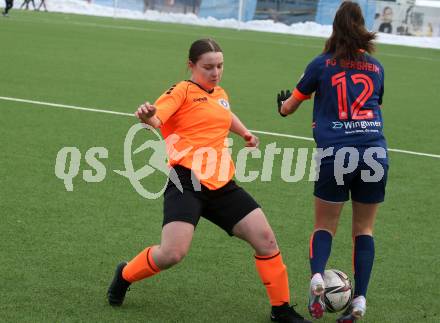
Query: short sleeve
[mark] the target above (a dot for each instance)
(170, 101)
(308, 82)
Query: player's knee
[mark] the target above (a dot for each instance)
(269, 239)
(267, 244)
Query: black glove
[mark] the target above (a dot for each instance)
(281, 97)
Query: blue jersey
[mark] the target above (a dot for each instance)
(348, 95)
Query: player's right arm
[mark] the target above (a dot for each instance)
(165, 106)
(146, 114)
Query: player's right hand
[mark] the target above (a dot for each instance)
(251, 140)
(145, 111)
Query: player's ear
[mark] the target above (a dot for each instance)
(190, 64)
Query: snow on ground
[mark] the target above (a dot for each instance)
(306, 29)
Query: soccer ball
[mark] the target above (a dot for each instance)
(338, 292)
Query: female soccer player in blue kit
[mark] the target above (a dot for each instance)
(347, 124)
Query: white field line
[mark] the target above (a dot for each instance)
(73, 107)
(57, 105)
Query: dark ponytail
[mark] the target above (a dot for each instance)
(349, 37)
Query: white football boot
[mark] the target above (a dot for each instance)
(355, 311)
(317, 288)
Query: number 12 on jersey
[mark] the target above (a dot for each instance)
(357, 113)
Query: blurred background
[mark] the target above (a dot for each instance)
(401, 17)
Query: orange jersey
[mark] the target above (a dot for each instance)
(201, 121)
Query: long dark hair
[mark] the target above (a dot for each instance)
(202, 46)
(349, 37)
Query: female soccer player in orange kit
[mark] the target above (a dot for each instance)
(198, 112)
(347, 118)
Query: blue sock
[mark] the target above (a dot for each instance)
(363, 263)
(320, 247)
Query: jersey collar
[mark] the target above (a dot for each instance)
(209, 92)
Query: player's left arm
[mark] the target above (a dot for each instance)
(287, 103)
(240, 129)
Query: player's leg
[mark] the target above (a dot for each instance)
(329, 201)
(175, 244)
(236, 212)
(366, 198)
(364, 216)
(326, 222)
(181, 214)
(43, 3)
(9, 5)
(255, 229)
(330, 197)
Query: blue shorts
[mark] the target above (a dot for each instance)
(328, 189)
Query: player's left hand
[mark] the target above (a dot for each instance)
(251, 140)
(281, 97)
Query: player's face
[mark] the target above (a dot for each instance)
(208, 70)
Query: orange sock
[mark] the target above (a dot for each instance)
(140, 267)
(273, 274)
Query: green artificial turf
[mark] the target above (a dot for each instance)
(59, 249)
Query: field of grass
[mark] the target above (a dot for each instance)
(59, 249)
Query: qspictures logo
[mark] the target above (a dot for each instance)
(71, 157)
(205, 161)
